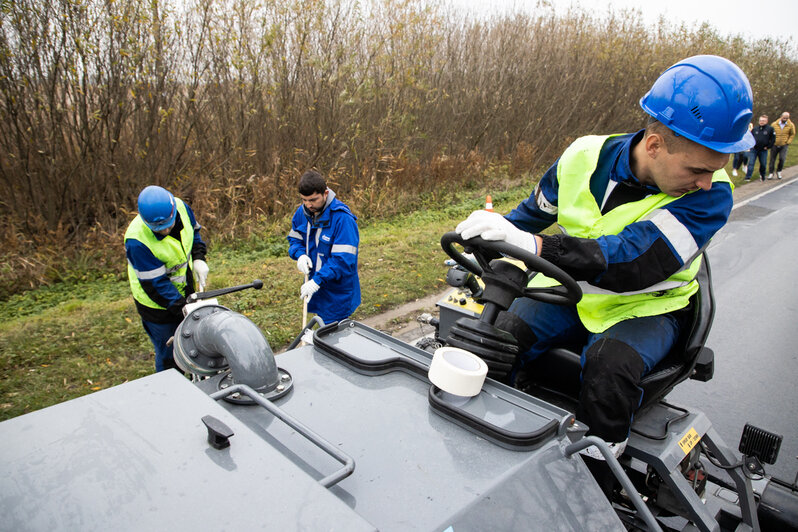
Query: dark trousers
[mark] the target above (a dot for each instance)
(613, 362)
(781, 153)
(740, 158)
(159, 333)
(753, 156)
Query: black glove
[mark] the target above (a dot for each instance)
(176, 308)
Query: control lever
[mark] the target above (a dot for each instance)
(257, 284)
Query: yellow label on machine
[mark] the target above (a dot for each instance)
(689, 440)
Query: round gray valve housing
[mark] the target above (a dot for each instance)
(213, 338)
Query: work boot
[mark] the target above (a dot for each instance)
(734, 172)
(770, 176)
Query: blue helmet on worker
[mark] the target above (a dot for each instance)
(157, 208)
(706, 99)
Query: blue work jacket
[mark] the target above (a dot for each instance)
(331, 239)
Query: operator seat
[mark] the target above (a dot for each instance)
(557, 372)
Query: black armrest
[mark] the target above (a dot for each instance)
(704, 366)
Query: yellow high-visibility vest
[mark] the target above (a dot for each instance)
(174, 255)
(579, 215)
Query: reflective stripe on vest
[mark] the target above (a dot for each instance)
(174, 255)
(579, 215)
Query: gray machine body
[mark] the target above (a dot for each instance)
(136, 456)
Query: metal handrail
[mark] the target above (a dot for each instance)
(347, 461)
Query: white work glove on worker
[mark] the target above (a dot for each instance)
(308, 289)
(494, 226)
(303, 264)
(201, 270)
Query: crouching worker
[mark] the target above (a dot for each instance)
(164, 251)
(636, 211)
(324, 241)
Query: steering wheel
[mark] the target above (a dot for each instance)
(568, 293)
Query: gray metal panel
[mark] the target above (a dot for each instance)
(548, 492)
(416, 470)
(136, 457)
(664, 445)
(500, 413)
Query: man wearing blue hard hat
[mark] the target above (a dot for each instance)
(636, 210)
(164, 251)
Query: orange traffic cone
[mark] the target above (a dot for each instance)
(488, 203)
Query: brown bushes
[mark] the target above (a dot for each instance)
(226, 102)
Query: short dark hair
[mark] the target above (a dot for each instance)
(673, 143)
(312, 182)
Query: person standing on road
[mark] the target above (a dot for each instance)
(785, 132)
(636, 211)
(164, 250)
(324, 240)
(740, 158)
(764, 136)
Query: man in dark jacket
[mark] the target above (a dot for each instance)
(764, 137)
(324, 241)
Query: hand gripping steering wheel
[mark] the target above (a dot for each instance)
(568, 293)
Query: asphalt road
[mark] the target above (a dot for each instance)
(754, 336)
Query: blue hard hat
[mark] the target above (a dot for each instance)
(157, 208)
(706, 99)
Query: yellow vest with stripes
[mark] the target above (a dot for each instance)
(579, 215)
(174, 255)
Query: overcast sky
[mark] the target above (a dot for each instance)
(749, 18)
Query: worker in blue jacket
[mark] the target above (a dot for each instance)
(636, 210)
(164, 251)
(324, 242)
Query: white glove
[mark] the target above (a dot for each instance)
(303, 264)
(494, 226)
(308, 289)
(201, 270)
